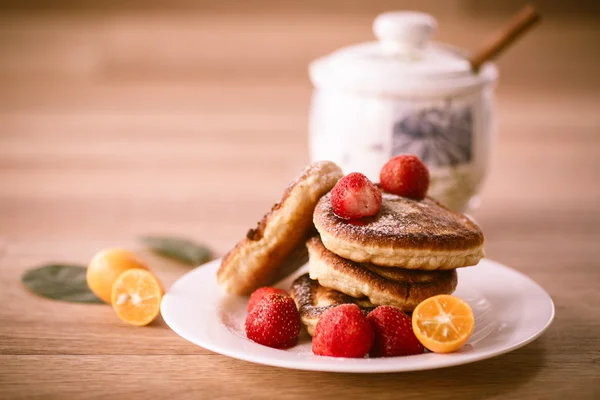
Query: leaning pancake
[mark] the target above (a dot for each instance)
(406, 233)
(381, 285)
(255, 261)
(313, 299)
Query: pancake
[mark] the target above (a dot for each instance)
(397, 287)
(313, 299)
(256, 260)
(406, 233)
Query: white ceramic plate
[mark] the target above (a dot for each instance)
(510, 311)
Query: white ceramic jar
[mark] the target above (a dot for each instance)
(405, 94)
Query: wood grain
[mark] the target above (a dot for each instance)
(123, 123)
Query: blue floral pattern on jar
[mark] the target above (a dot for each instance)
(440, 136)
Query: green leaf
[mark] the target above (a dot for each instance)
(60, 282)
(180, 249)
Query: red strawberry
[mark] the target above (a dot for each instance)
(406, 176)
(260, 293)
(394, 334)
(343, 331)
(274, 322)
(355, 196)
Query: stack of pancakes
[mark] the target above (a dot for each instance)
(406, 253)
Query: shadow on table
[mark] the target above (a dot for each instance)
(500, 375)
(497, 376)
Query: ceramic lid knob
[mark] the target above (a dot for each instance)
(404, 32)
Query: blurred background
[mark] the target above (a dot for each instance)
(120, 118)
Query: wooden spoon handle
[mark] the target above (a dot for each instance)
(505, 36)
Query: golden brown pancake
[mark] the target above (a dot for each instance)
(256, 260)
(313, 299)
(407, 233)
(397, 287)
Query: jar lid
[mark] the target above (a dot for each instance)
(402, 62)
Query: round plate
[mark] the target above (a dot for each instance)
(510, 311)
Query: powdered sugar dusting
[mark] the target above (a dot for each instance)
(403, 219)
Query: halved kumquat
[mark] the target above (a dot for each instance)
(443, 323)
(136, 296)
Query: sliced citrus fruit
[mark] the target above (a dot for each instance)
(136, 296)
(443, 323)
(106, 266)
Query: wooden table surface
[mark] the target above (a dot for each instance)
(110, 129)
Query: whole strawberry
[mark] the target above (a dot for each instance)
(343, 331)
(405, 175)
(355, 196)
(274, 322)
(394, 334)
(260, 293)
